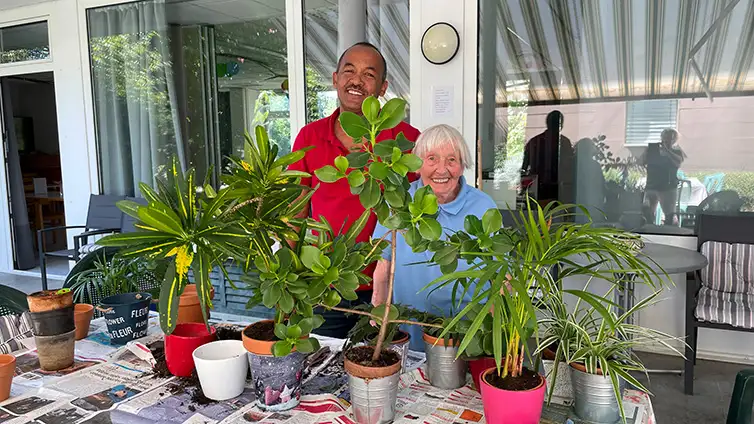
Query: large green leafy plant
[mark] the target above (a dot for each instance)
(378, 175)
(511, 274)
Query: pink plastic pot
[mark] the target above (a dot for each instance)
(509, 407)
(180, 345)
(478, 366)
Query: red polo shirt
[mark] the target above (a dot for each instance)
(334, 201)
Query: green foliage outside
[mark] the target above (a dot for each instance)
(739, 181)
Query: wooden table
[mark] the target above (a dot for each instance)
(39, 201)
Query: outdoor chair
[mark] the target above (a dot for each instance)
(722, 202)
(103, 217)
(15, 322)
(742, 399)
(721, 295)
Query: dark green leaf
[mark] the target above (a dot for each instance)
(358, 159)
(394, 178)
(286, 302)
(307, 345)
(282, 348)
(379, 311)
(310, 256)
(382, 211)
(473, 225)
(280, 331)
(384, 149)
(412, 236)
(392, 113)
(168, 308)
(403, 143)
(306, 326)
(332, 298)
(353, 125)
(446, 255)
(271, 296)
(315, 290)
(356, 178)
(328, 174)
(370, 195)
(395, 198)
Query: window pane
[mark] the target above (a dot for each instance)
(24, 42)
(385, 26)
(606, 107)
(184, 79)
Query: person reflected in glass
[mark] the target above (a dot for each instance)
(589, 181)
(662, 160)
(445, 155)
(549, 155)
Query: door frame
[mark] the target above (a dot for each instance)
(23, 15)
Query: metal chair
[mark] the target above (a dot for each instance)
(103, 217)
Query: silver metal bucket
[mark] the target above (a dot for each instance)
(443, 370)
(373, 400)
(594, 399)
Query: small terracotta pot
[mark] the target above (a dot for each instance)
(512, 407)
(189, 306)
(258, 347)
(362, 371)
(7, 369)
(82, 315)
(49, 300)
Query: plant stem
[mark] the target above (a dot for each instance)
(389, 299)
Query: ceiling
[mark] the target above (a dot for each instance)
(10, 4)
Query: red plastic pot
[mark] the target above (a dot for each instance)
(477, 367)
(180, 345)
(512, 407)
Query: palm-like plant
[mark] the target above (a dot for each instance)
(511, 273)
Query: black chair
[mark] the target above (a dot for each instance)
(711, 300)
(742, 399)
(103, 217)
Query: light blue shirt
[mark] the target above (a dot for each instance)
(410, 279)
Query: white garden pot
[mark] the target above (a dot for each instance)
(222, 368)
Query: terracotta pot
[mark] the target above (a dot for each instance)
(7, 369)
(82, 315)
(477, 366)
(49, 300)
(512, 407)
(180, 346)
(548, 354)
(259, 347)
(189, 307)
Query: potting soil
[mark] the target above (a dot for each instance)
(362, 355)
(526, 381)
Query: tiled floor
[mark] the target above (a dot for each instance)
(709, 405)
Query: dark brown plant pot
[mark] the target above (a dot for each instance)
(54, 322)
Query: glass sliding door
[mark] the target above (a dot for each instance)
(185, 80)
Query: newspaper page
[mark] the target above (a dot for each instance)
(45, 406)
(30, 376)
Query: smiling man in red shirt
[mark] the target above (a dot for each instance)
(361, 72)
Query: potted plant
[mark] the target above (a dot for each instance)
(599, 346)
(378, 175)
(445, 369)
(366, 330)
(509, 277)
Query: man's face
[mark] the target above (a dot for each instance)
(360, 75)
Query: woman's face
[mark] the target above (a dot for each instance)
(442, 170)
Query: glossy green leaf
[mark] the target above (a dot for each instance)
(310, 256)
(400, 169)
(168, 306)
(341, 164)
(429, 204)
(353, 125)
(412, 237)
(306, 326)
(280, 331)
(395, 198)
(403, 143)
(396, 155)
(392, 113)
(286, 302)
(384, 149)
(382, 211)
(412, 162)
(370, 194)
(356, 178)
(446, 255)
(293, 332)
(332, 298)
(371, 109)
(430, 229)
(307, 345)
(473, 225)
(315, 290)
(282, 348)
(328, 174)
(492, 221)
(271, 296)
(379, 311)
(378, 170)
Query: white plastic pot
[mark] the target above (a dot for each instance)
(222, 367)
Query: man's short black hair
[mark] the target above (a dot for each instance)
(365, 44)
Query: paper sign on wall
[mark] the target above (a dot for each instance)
(442, 101)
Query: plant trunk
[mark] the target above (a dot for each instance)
(388, 299)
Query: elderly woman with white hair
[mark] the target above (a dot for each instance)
(445, 155)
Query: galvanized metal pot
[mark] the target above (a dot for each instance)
(594, 398)
(443, 369)
(373, 391)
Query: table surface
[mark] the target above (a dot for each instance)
(45, 196)
(663, 257)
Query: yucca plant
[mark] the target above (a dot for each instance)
(511, 273)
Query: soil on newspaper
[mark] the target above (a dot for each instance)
(183, 384)
(262, 331)
(362, 355)
(160, 368)
(225, 332)
(526, 381)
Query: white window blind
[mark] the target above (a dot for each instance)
(645, 120)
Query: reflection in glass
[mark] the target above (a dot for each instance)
(24, 42)
(328, 31)
(184, 79)
(627, 81)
